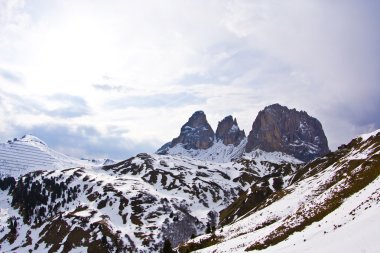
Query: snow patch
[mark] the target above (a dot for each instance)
(368, 135)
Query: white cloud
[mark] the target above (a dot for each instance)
(229, 57)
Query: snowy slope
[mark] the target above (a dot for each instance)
(136, 203)
(218, 152)
(268, 201)
(274, 157)
(353, 227)
(222, 153)
(328, 200)
(29, 153)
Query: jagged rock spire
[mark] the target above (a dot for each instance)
(196, 133)
(229, 132)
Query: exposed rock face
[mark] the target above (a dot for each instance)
(196, 133)
(229, 132)
(277, 128)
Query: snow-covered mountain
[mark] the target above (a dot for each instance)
(331, 205)
(129, 206)
(206, 185)
(29, 153)
(256, 201)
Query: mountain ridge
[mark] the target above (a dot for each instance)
(324, 196)
(276, 128)
(146, 198)
(229, 199)
(111, 206)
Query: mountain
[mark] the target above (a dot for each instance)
(196, 133)
(198, 140)
(257, 201)
(228, 132)
(330, 205)
(203, 185)
(277, 128)
(130, 206)
(29, 153)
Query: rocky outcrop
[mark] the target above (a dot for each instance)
(196, 133)
(229, 132)
(198, 140)
(277, 128)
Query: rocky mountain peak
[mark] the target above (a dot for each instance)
(229, 132)
(198, 119)
(278, 128)
(196, 133)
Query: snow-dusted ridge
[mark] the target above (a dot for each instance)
(29, 153)
(275, 157)
(366, 136)
(260, 199)
(138, 201)
(218, 152)
(331, 206)
(221, 153)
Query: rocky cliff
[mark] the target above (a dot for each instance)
(196, 133)
(277, 128)
(198, 140)
(229, 132)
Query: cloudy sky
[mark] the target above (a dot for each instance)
(96, 78)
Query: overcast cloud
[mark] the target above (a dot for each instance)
(123, 76)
